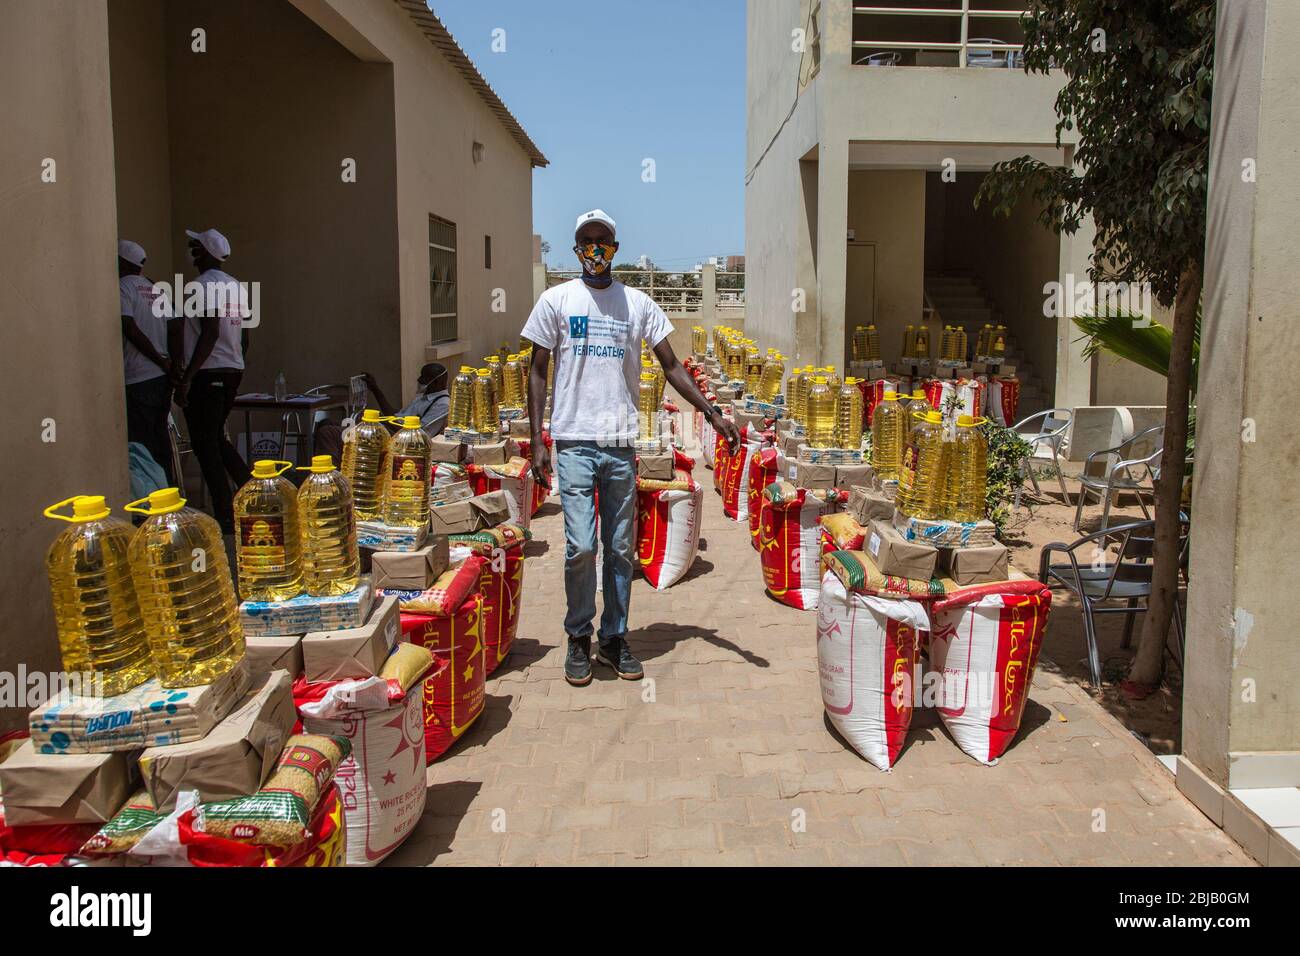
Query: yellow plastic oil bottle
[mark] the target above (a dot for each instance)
(647, 408)
(187, 597)
(922, 341)
(268, 547)
(365, 462)
(821, 414)
(945, 343)
(406, 483)
(848, 415)
(923, 477)
(962, 345)
(753, 367)
(982, 341)
(968, 478)
(888, 436)
(331, 563)
(96, 614)
(909, 341)
(493, 363)
(735, 354)
(998, 342)
(487, 408)
(860, 347)
(769, 385)
(513, 397)
(832, 376)
(699, 340)
(873, 343)
(460, 414)
(916, 406)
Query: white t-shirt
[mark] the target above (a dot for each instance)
(225, 298)
(138, 301)
(595, 340)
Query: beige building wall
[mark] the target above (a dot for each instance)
(60, 338)
(887, 208)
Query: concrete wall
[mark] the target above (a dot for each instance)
(438, 118)
(60, 339)
(887, 207)
(1241, 698)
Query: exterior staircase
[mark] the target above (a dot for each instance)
(960, 299)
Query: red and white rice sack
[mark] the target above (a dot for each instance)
(873, 393)
(502, 585)
(453, 695)
(762, 472)
(1002, 399)
(984, 645)
(707, 436)
(789, 550)
(721, 463)
(668, 532)
(867, 651)
(735, 492)
(969, 395)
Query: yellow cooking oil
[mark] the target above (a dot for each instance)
(487, 408)
(873, 343)
(921, 342)
(406, 482)
(186, 594)
(968, 477)
(916, 406)
(647, 408)
(96, 614)
(753, 367)
(923, 477)
(769, 384)
(848, 415)
(331, 563)
(909, 341)
(699, 339)
(860, 348)
(268, 548)
(513, 396)
(460, 413)
(493, 362)
(888, 436)
(365, 462)
(820, 403)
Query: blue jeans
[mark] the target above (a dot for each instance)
(586, 470)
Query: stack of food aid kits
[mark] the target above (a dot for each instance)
(669, 503)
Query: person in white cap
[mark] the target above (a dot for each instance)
(593, 327)
(215, 341)
(148, 334)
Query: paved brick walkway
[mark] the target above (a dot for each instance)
(731, 762)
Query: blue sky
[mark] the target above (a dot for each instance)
(601, 88)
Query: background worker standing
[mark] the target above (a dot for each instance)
(593, 327)
(146, 323)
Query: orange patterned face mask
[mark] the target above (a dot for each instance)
(596, 257)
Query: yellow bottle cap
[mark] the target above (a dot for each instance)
(485, 371)
(410, 421)
(891, 396)
(492, 358)
(850, 380)
(84, 508)
(872, 326)
(965, 421)
(820, 380)
(647, 376)
(467, 370)
(320, 464)
(513, 358)
(161, 502)
(266, 467)
(371, 415)
(934, 417)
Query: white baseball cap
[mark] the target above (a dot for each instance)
(132, 252)
(218, 246)
(596, 215)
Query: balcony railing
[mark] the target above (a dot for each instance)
(681, 293)
(964, 33)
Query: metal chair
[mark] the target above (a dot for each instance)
(1050, 428)
(1127, 578)
(1142, 547)
(885, 58)
(296, 431)
(1140, 454)
(180, 448)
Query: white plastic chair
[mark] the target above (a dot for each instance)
(1045, 432)
(1124, 468)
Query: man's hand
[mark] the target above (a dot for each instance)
(727, 428)
(541, 462)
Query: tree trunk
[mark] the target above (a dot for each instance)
(1149, 662)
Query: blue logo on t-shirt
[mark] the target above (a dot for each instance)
(577, 326)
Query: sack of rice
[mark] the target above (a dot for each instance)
(381, 783)
(788, 546)
(668, 533)
(984, 646)
(279, 813)
(762, 472)
(721, 462)
(841, 532)
(445, 595)
(501, 582)
(453, 692)
(735, 492)
(708, 439)
(867, 651)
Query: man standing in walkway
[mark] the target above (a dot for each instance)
(146, 327)
(213, 367)
(593, 327)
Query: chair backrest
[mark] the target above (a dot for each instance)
(1143, 443)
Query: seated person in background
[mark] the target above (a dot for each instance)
(430, 405)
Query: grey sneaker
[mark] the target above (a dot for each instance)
(577, 661)
(614, 653)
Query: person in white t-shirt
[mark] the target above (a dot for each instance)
(148, 337)
(593, 327)
(215, 341)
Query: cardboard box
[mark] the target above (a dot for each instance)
(451, 491)
(789, 445)
(867, 504)
(377, 536)
(494, 453)
(145, 716)
(895, 555)
(969, 566)
(235, 759)
(657, 467)
(304, 613)
(471, 514)
(521, 428)
(354, 652)
(410, 570)
(814, 476)
(277, 653)
(725, 394)
(445, 449)
(846, 476)
(742, 418)
(42, 789)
